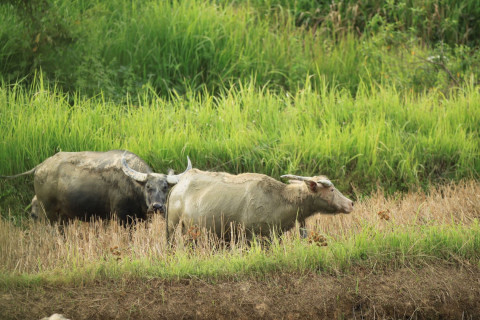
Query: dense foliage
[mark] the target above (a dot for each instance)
(119, 47)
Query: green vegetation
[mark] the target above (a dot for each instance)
(118, 47)
(373, 139)
(452, 22)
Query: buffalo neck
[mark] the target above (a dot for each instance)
(300, 199)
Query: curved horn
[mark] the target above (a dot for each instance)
(325, 183)
(174, 178)
(294, 177)
(138, 176)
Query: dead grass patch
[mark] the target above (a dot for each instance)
(39, 247)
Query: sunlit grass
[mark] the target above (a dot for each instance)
(373, 139)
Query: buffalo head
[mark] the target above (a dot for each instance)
(326, 196)
(156, 185)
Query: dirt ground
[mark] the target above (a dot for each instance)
(431, 292)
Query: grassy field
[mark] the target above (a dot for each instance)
(383, 98)
(375, 139)
(414, 254)
(414, 229)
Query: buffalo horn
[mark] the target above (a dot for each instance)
(174, 178)
(294, 177)
(138, 176)
(326, 183)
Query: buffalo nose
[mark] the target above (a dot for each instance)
(158, 206)
(349, 207)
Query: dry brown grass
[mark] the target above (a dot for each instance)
(452, 203)
(39, 246)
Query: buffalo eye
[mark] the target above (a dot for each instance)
(333, 189)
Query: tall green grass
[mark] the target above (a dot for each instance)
(171, 45)
(452, 22)
(372, 139)
(116, 48)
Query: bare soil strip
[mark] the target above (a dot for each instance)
(430, 292)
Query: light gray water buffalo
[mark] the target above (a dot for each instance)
(72, 185)
(256, 201)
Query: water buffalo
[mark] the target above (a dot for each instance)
(259, 202)
(72, 185)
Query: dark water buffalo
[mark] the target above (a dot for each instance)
(72, 185)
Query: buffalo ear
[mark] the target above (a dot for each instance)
(312, 185)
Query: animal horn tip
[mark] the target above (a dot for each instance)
(326, 183)
(293, 177)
